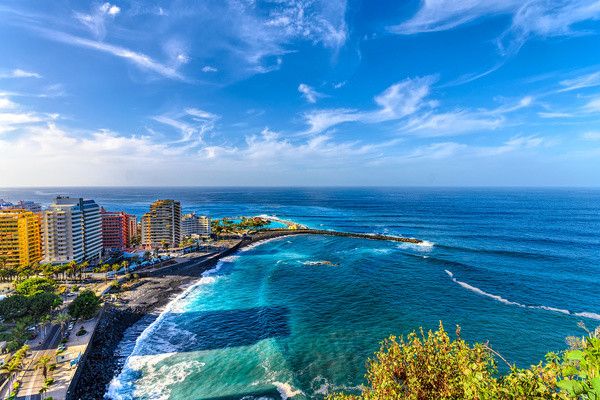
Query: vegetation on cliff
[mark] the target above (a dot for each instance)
(433, 366)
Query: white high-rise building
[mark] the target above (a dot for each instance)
(62, 234)
(192, 224)
(72, 230)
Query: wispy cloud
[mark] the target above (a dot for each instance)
(95, 21)
(581, 82)
(309, 93)
(192, 123)
(141, 60)
(529, 18)
(397, 101)
(209, 68)
(19, 73)
(452, 123)
(593, 105)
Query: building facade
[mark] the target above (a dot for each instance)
(20, 238)
(29, 206)
(62, 234)
(72, 231)
(195, 225)
(162, 224)
(118, 229)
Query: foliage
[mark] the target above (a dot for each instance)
(226, 226)
(85, 305)
(432, 366)
(81, 331)
(35, 285)
(37, 305)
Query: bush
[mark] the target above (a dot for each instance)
(432, 366)
(36, 305)
(85, 305)
(81, 332)
(35, 285)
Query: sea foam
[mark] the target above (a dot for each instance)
(501, 299)
(121, 387)
(286, 390)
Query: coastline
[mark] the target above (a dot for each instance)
(155, 290)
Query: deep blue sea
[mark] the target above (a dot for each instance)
(516, 267)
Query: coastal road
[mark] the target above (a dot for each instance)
(33, 379)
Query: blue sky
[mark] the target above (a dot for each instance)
(302, 92)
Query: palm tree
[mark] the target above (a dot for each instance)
(72, 268)
(82, 267)
(42, 363)
(43, 391)
(115, 268)
(125, 265)
(62, 320)
(105, 268)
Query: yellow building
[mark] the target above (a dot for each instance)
(20, 238)
(162, 225)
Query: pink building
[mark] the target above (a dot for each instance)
(118, 229)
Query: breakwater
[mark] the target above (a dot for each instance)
(370, 236)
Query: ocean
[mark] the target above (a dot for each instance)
(515, 267)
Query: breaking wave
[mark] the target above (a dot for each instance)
(514, 303)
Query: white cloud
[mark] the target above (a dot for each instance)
(209, 68)
(544, 114)
(310, 94)
(113, 10)
(402, 99)
(139, 59)
(196, 112)
(592, 106)
(443, 150)
(95, 21)
(339, 85)
(6, 103)
(452, 123)
(193, 124)
(580, 82)
(19, 73)
(440, 15)
(529, 18)
(396, 102)
(7, 118)
(319, 121)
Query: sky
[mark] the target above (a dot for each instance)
(300, 93)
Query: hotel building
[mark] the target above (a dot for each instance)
(118, 229)
(72, 231)
(195, 225)
(20, 240)
(162, 224)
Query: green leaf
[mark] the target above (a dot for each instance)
(575, 355)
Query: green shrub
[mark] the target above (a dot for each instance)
(432, 366)
(85, 305)
(35, 285)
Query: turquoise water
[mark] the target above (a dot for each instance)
(517, 267)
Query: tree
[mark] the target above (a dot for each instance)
(115, 268)
(125, 266)
(432, 366)
(42, 363)
(35, 285)
(62, 319)
(85, 305)
(105, 268)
